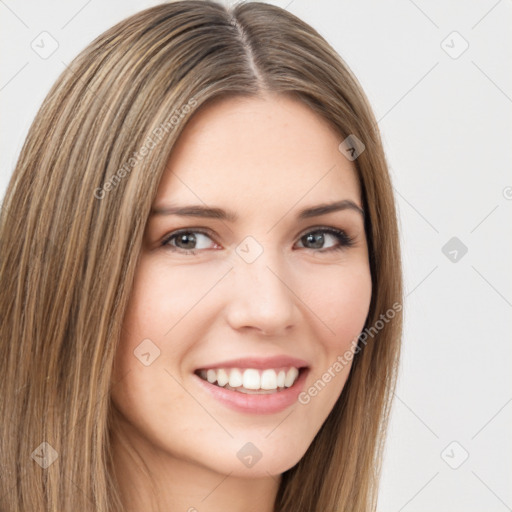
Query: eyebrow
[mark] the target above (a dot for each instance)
(219, 213)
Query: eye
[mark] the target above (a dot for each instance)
(186, 240)
(317, 238)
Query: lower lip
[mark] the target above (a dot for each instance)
(257, 404)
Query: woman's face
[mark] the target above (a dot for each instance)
(268, 283)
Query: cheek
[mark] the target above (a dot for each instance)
(340, 300)
(155, 322)
(161, 298)
(162, 305)
(165, 293)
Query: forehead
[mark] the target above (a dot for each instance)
(257, 149)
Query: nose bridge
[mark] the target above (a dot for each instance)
(262, 297)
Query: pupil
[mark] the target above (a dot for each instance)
(317, 239)
(187, 238)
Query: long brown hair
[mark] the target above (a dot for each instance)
(71, 229)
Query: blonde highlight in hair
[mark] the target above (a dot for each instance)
(71, 230)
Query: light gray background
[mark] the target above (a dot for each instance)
(446, 124)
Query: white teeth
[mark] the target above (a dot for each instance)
(222, 377)
(291, 376)
(268, 379)
(235, 378)
(250, 378)
(211, 376)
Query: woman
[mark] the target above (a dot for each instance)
(200, 273)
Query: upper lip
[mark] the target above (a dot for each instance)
(258, 363)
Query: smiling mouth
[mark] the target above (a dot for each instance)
(252, 381)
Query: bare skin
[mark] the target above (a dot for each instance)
(265, 159)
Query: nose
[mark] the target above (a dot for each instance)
(261, 296)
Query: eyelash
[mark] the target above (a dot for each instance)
(345, 241)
